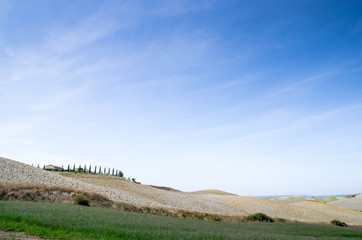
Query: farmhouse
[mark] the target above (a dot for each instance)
(53, 168)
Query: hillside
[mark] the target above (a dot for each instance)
(207, 201)
(353, 203)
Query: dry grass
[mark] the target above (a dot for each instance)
(40, 193)
(165, 188)
(43, 193)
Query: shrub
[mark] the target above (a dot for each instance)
(339, 223)
(259, 217)
(82, 200)
(280, 220)
(212, 217)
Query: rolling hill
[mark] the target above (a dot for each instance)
(206, 201)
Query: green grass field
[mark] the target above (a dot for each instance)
(63, 221)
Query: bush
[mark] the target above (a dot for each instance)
(212, 217)
(82, 200)
(259, 217)
(339, 223)
(280, 220)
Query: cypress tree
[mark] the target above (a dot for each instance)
(95, 169)
(80, 167)
(44, 167)
(109, 171)
(116, 173)
(113, 172)
(90, 169)
(74, 168)
(100, 170)
(84, 168)
(38, 165)
(120, 174)
(68, 167)
(105, 171)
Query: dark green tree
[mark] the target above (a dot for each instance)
(74, 168)
(80, 168)
(68, 168)
(85, 168)
(113, 172)
(95, 169)
(109, 171)
(100, 170)
(90, 169)
(120, 173)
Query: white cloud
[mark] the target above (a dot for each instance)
(297, 85)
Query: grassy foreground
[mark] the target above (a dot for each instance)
(63, 221)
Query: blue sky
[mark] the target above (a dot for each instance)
(250, 97)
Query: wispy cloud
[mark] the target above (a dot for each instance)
(96, 27)
(226, 84)
(279, 122)
(178, 7)
(296, 85)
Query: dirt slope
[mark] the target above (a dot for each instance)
(354, 203)
(115, 188)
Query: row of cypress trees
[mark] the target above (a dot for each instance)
(96, 171)
(90, 170)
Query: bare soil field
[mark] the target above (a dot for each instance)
(207, 201)
(354, 203)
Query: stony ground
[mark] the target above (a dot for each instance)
(209, 201)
